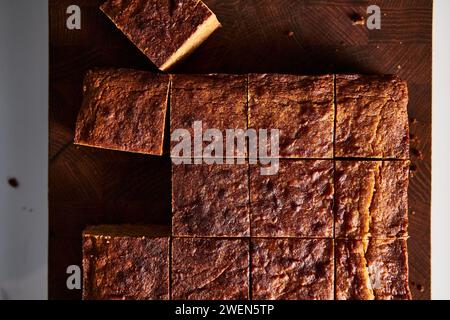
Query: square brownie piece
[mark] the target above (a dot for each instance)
(126, 263)
(123, 110)
(301, 107)
(371, 117)
(210, 200)
(219, 101)
(371, 199)
(165, 31)
(210, 269)
(372, 269)
(295, 202)
(292, 269)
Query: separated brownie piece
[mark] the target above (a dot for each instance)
(295, 202)
(123, 110)
(301, 107)
(166, 31)
(375, 269)
(292, 269)
(210, 269)
(126, 262)
(210, 200)
(371, 199)
(218, 101)
(371, 117)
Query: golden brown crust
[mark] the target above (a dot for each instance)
(371, 199)
(210, 269)
(387, 262)
(295, 202)
(219, 101)
(123, 110)
(210, 200)
(373, 269)
(301, 107)
(355, 187)
(352, 276)
(159, 27)
(292, 269)
(371, 117)
(125, 267)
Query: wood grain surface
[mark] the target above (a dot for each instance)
(91, 186)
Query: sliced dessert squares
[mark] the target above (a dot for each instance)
(210, 269)
(123, 110)
(292, 269)
(295, 202)
(217, 102)
(165, 31)
(126, 263)
(301, 107)
(210, 200)
(372, 269)
(371, 199)
(371, 117)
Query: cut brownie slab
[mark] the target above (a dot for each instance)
(126, 262)
(295, 202)
(372, 269)
(123, 110)
(292, 269)
(371, 117)
(166, 31)
(301, 107)
(371, 199)
(218, 101)
(210, 200)
(210, 269)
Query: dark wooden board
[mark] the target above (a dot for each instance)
(90, 186)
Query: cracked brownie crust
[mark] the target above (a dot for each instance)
(210, 269)
(165, 31)
(371, 117)
(372, 269)
(352, 275)
(296, 202)
(123, 110)
(292, 269)
(371, 199)
(301, 107)
(126, 263)
(210, 200)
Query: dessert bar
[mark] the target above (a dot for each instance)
(126, 262)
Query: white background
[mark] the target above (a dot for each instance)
(24, 139)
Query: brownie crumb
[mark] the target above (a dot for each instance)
(358, 20)
(13, 182)
(289, 33)
(417, 153)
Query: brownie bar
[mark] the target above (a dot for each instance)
(371, 199)
(301, 107)
(126, 262)
(374, 269)
(295, 202)
(165, 31)
(292, 269)
(371, 117)
(210, 269)
(210, 200)
(219, 101)
(123, 110)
